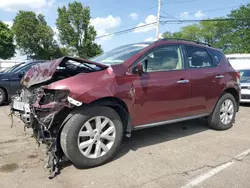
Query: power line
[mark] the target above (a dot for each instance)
(210, 10)
(204, 20)
(169, 16)
(127, 30)
(169, 21)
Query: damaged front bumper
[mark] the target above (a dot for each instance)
(44, 111)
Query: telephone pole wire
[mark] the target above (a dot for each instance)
(158, 20)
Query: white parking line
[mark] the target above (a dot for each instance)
(203, 177)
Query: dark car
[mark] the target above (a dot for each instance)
(82, 108)
(10, 80)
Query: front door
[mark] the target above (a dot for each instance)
(162, 92)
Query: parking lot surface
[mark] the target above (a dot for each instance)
(181, 155)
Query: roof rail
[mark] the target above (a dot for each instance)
(180, 39)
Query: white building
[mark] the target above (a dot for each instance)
(239, 61)
(8, 63)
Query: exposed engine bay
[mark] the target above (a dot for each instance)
(45, 110)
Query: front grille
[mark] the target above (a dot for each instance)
(245, 96)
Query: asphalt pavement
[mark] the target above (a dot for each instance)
(182, 155)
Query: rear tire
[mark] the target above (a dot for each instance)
(2, 96)
(224, 113)
(82, 129)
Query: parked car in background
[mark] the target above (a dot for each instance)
(9, 69)
(10, 80)
(245, 85)
(82, 108)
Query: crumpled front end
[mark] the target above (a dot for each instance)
(44, 110)
(50, 92)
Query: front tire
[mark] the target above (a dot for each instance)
(2, 96)
(92, 136)
(224, 113)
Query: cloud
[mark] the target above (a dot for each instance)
(134, 16)
(102, 32)
(184, 14)
(150, 19)
(102, 24)
(15, 5)
(150, 39)
(9, 23)
(199, 14)
(105, 23)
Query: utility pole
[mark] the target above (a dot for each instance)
(158, 20)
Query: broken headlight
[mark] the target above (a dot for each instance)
(53, 96)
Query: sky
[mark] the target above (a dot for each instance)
(109, 16)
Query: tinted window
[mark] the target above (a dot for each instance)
(164, 59)
(198, 57)
(217, 55)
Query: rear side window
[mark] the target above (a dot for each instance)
(198, 57)
(217, 55)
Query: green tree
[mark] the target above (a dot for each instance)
(190, 32)
(7, 47)
(75, 31)
(231, 35)
(34, 37)
(240, 30)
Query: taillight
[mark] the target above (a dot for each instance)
(238, 76)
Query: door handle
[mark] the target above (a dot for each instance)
(182, 81)
(219, 76)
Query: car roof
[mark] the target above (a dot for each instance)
(189, 42)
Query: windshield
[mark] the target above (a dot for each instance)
(244, 74)
(120, 54)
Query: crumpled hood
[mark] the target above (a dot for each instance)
(43, 72)
(98, 83)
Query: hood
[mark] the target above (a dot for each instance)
(43, 72)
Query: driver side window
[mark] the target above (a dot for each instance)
(164, 59)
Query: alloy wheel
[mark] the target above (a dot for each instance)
(227, 111)
(96, 137)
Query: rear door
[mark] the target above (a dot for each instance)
(162, 92)
(205, 75)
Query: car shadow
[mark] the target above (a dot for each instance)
(155, 135)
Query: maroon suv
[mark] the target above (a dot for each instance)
(82, 108)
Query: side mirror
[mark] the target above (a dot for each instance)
(140, 67)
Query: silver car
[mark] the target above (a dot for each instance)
(245, 85)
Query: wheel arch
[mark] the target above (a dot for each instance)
(113, 102)
(120, 107)
(235, 94)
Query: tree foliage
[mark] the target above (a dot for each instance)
(7, 47)
(75, 31)
(232, 35)
(34, 37)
